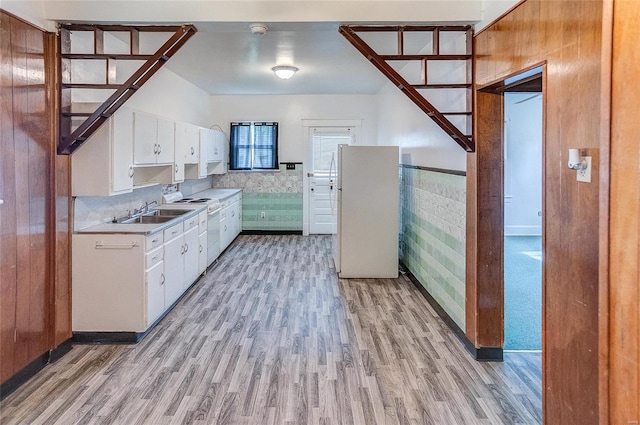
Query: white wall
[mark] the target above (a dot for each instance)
(32, 11)
(523, 164)
(289, 111)
(492, 10)
(421, 141)
(265, 10)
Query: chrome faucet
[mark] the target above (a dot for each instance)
(145, 208)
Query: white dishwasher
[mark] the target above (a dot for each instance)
(213, 232)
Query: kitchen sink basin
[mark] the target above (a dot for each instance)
(167, 213)
(149, 219)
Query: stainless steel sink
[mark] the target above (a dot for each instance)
(167, 212)
(149, 219)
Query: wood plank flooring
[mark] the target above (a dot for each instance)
(271, 336)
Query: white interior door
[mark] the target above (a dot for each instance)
(323, 177)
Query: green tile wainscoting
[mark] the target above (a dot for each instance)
(432, 234)
(276, 193)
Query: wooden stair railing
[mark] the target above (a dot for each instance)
(71, 139)
(412, 90)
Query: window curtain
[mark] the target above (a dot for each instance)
(240, 146)
(265, 138)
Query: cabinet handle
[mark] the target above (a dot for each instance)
(182, 251)
(215, 151)
(186, 248)
(175, 232)
(176, 168)
(225, 227)
(162, 278)
(159, 149)
(102, 245)
(233, 213)
(200, 248)
(154, 241)
(192, 150)
(155, 148)
(131, 171)
(155, 258)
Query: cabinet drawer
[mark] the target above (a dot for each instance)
(173, 232)
(190, 223)
(154, 257)
(154, 241)
(202, 220)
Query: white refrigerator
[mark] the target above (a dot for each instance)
(366, 242)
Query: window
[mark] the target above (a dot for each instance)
(254, 146)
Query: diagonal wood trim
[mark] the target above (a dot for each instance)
(411, 91)
(70, 142)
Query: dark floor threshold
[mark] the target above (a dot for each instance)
(30, 370)
(271, 232)
(483, 354)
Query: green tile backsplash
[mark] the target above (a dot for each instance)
(277, 194)
(433, 235)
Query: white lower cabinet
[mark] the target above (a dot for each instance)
(116, 286)
(154, 280)
(123, 283)
(202, 242)
(191, 256)
(230, 220)
(174, 264)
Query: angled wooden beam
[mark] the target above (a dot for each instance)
(411, 91)
(70, 142)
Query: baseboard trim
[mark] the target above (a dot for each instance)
(482, 354)
(271, 232)
(62, 349)
(30, 370)
(107, 337)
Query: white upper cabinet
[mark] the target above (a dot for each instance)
(153, 139)
(145, 138)
(103, 165)
(187, 140)
(219, 146)
(166, 142)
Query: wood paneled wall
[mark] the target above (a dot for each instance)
(485, 202)
(33, 287)
(624, 259)
(566, 35)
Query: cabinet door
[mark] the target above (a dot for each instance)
(174, 270)
(202, 252)
(224, 229)
(187, 142)
(219, 141)
(121, 151)
(155, 292)
(233, 220)
(166, 142)
(178, 173)
(191, 257)
(145, 138)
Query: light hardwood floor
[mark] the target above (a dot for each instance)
(271, 336)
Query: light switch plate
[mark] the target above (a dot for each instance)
(585, 175)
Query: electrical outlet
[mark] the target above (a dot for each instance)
(262, 214)
(585, 175)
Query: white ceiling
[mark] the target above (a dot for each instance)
(226, 58)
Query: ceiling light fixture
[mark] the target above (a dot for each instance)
(258, 29)
(284, 72)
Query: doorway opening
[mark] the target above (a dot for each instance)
(323, 177)
(523, 221)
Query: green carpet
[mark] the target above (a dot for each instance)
(522, 293)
